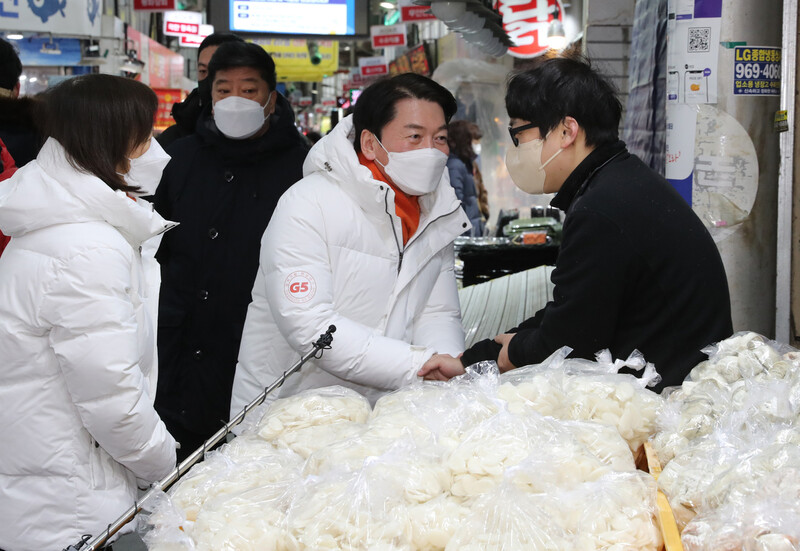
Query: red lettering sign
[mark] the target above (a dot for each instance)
(416, 13)
(372, 70)
(527, 22)
(153, 5)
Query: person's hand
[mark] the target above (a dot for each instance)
(502, 359)
(441, 367)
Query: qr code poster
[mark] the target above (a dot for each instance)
(699, 39)
(693, 51)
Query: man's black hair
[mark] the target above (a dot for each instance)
(566, 86)
(242, 54)
(10, 65)
(376, 105)
(217, 39)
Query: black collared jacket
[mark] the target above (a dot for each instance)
(637, 269)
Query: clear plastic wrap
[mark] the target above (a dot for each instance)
(590, 391)
(416, 470)
(253, 520)
(767, 520)
(508, 519)
(351, 511)
(322, 406)
(434, 522)
(218, 475)
(163, 526)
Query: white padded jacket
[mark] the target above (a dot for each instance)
(77, 344)
(333, 254)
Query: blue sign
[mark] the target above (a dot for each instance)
(56, 52)
(757, 71)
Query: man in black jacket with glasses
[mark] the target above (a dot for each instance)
(637, 268)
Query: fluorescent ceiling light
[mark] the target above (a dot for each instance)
(14, 36)
(387, 5)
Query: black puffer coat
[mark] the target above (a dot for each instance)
(222, 192)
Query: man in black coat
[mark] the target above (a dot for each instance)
(17, 125)
(637, 268)
(187, 113)
(222, 184)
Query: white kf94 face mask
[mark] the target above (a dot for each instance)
(239, 118)
(415, 172)
(525, 166)
(145, 171)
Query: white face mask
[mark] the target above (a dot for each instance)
(525, 166)
(145, 171)
(416, 172)
(239, 118)
(476, 148)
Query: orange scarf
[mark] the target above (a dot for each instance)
(405, 206)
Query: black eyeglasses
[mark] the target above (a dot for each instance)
(513, 131)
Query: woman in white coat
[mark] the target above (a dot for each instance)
(364, 242)
(77, 422)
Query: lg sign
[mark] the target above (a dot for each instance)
(300, 287)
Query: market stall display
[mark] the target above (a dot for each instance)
(730, 441)
(468, 464)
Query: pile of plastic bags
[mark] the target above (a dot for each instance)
(730, 438)
(536, 459)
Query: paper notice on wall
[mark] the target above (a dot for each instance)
(693, 33)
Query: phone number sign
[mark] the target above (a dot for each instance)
(757, 71)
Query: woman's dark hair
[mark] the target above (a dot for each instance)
(459, 137)
(376, 105)
(243, 54)
(98, 119)
(566, 86)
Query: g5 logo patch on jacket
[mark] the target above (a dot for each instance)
(300, 287)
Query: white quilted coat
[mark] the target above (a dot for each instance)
(77, 344)
(333, 254)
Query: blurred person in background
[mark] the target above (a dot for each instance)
(17, 125)
(7, 169)
(222, 184)
(363, 242)
(188, 112)
(480, 187)
(77, 337)
(461, 168)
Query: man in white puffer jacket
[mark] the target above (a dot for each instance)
(77, 339)
(363, 242)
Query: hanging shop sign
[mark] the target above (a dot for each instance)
(409, 12)
(388, 36)
(757, 71)
(194, 41)
(527, 22)
(69, 18)
(178, 23)
(167, 97)
(415, 60)
(373, 66)
(49, 52)
(292, 62)
(163, 68)
(154, 5)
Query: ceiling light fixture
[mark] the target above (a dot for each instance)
(387, 5)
